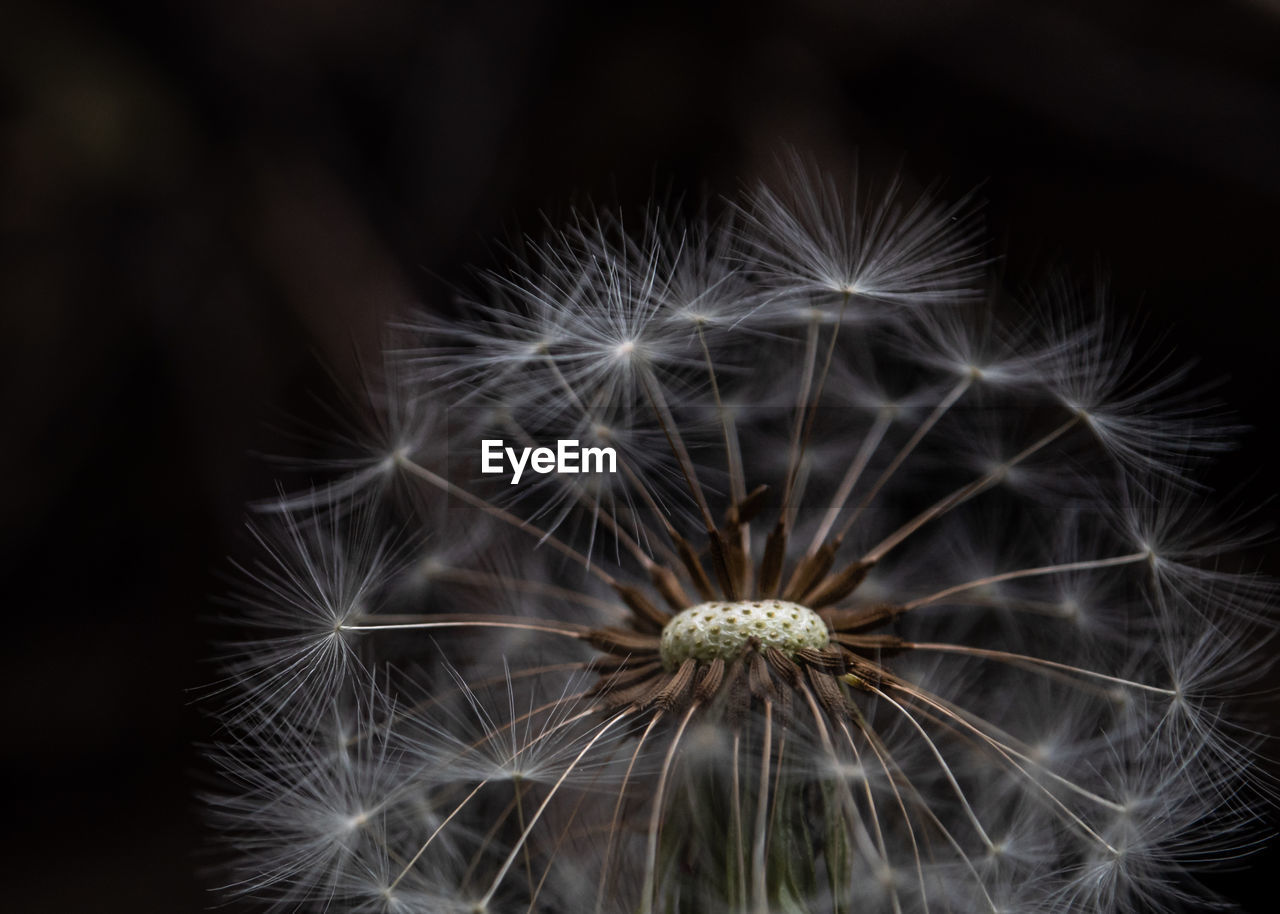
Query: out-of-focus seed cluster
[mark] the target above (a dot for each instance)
(1021, 630)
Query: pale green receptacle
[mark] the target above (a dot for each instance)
(720, 629)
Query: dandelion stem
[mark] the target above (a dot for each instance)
(483, 903)
(802, 400)
(739, 848)
(544, 735)
(732, 450)
(439, 828)
(847, 802)
(963, 494)
(869, 444)
(1027, 573)
(902, 807)
(737, 476)
(655, 817)
(885, 757)
(408, 622)
(1028, 660)
(759, 895)
(676, 442)
(938, 412)
(1006, 751)
(617, 809)
(812, 408)
(942, 763)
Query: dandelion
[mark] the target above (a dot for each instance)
(884, 605)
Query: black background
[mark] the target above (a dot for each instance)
(201, 203)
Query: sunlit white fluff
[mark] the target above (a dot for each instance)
(816, 234)
(314, 573)
(318, 811)
(391, 419)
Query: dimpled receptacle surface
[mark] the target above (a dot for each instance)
(721, 629)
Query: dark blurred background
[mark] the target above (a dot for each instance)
(205, 204)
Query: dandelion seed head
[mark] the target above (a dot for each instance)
(892, 605)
